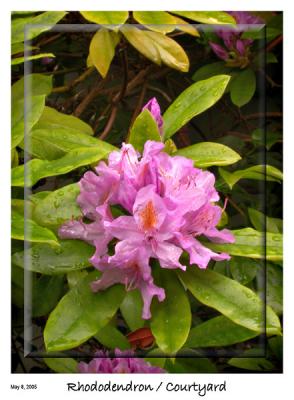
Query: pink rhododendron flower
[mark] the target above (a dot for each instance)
(235, 50)
(122, 363)
(154, 109)
(169, 205)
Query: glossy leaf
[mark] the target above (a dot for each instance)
(243, 87)
(144, 128)
(142, 43)
(20, 60)
(21, 111)
(274, 287)
(157, 47)
(218, 331)
(106, 17)
(36, 85)
(171, 318)
(47, 290)
(29, 230)
(38, 169)
(158, 21)
(258, 172)
(250, 243)
(243, 269)
(184, 26)
(39, 24)
(74, 277)
(206, 154)
(263, 223)
(209, 70)
(194, 100)
(58, 206)
(234, 301)
(207, 17)
(131, 309)
(109, 336)
(157, 362)
(102, 50)
(62, 365)
(55, 120)
(49, 144)
(80, 314)
(170, 52)
(72, 255)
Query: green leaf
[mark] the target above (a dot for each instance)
(80, 314)
(260, 33)
(62, 365)
(38, 169)
(58, 207)
(209, 70)
(20, 60)
(158, 21)
(263, 223)
(267, 139)
(42, 23)
(157, 362)
(252, 362)
(257, 172)
(36, 85)
(243, 87)
(72, 255)
(206, 154)
(251, 243)
(189, 361)
(102, 50)
(243, 269)
(29, 230)
(47, 290)
(234, 301)
(276, 346)
(55, 120)
(197, 98)
(144, 128)
(34, 108)
(274, 287)
(106, 17)
(218, 331)
(157, 47)
(74, 277)
(207, 17)
(171, 318)
(131, 309)
(50, 145)
(109, 336)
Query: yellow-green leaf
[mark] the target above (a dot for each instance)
(158, 21)
(207, 17)
(102, 50)
(106, 17)
(144, 128)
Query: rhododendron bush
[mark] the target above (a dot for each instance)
(146, 192)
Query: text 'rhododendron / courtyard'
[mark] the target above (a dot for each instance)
(153, 206)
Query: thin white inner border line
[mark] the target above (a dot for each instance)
(27, 189)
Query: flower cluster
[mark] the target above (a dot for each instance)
(122, 363)
(153, 206)
(236, 51)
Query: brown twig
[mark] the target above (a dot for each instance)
(274, 43)
(270, 114)
(236, 206)
(158, 90)
(90, 96)
(110, 122)
(74, 82)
